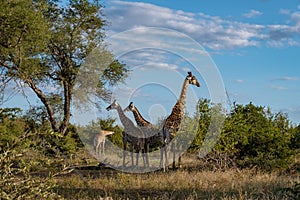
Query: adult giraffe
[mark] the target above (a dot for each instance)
(131, 134)
(153, 137)
(173, 121)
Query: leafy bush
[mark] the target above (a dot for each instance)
(15, 179)
(251, 135)
(295, 141)
(11, 127)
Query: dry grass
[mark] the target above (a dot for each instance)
(187, 183)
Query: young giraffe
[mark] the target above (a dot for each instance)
(153, 138)
(99, 142)
(172, 123)
(131, 134)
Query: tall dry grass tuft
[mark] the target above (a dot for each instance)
(183, 184)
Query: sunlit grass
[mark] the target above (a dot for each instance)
(186, 183)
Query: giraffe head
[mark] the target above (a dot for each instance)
(192, 79)
(105, 133)
(114, 105)
(130, 107)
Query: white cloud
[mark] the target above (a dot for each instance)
(127, 91)
(252, 14)
(293, 113)
(284, 11)
(161, 65)
(281, 43)
(210, 31)
(277, 87)
(239, 81)
(287, 78)
(296, 18)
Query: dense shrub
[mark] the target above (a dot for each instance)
(13, 124)
(17, 183)
(295, 141)
(17, 163)
(251, 135)
(11, 127)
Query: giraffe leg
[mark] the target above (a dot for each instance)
(161, 157)
(97, 150)
(136, 150)
(137, 156)
(124, 148)
(179, 158)
(145, 154)
(166, 158)
(100, 150)
(103, 148)
(179, 162)
(131, 153)
(168, 148)
(173, 149)
(161, 151)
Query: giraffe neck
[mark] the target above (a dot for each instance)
(182, 98)
(127, 123)
(139, 118)
(174, 119)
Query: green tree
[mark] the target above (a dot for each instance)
(42, 46)
(210, 122)
(256, 137)
(251, 136)
(203, 113)
(23, 32)
(295, 141)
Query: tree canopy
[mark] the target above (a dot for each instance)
(42, 46)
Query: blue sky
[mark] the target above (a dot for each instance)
(254, 44)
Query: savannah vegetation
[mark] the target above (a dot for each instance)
(42, 45)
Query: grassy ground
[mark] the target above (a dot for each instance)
(190, 182)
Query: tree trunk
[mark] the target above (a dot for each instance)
(67, 106)
(45, 101)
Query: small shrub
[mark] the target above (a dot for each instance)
(292, 192)
(15, 179)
